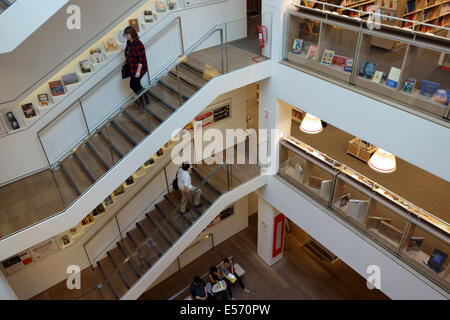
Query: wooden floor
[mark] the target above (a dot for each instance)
(408, 181)
(300, 275)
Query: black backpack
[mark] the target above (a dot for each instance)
(175, 182)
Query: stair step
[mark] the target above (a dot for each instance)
(158, 220)
(165, 96)
(92, 160)
(173, 202)
(147, 230)
(117, 139)
(172, 85)
(83, 167)
(70, 179)
(109, 156)
(116, 287)
(106, 139)
(133, 131)
(143, 117)
(67, 191)
(126, 270)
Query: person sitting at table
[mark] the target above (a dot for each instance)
(227, 267)
(215, 276)
(198, 290)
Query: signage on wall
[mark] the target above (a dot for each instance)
(216, 112)
(278, 235)
(17, 262)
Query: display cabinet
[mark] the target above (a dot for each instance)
(306, 173)
(409, 232)
(428, 253)
(413, 71)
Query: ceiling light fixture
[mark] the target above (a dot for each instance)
(311, 124)
(383, 161)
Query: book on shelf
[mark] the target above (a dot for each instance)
(378, 76)
(56, 88)
(122, 37)
(408, 86)
(12, 120)
(88, 219)
(98, 210)
(339, 60)
(28, 110)
(348, 66)
(119, 191)
(70, 78)
(148, 16)
(97, 56)
(428, 88)
(297, 46)
(160, 6)
(313, 52)
(135, 24)
(85, 66)
(111, 45)
(44, 99)
(65, 239)
(441, 96)
(108, 200)
(327, 57)
(393, 78)
(367, 69)
(129, 181)
(172, 4)
(414, 243)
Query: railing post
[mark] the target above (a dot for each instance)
(167, 181)
(84, 117)
(179, 85)
(118, 227)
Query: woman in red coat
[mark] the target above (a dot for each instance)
(136, 59)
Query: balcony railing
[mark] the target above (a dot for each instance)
(385, 60)
(415, 236)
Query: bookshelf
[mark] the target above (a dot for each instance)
(435, 12)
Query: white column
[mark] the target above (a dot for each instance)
(266, 216)
(6, 292)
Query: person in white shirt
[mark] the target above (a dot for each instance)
(185, 186)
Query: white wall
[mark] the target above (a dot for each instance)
(398, 281)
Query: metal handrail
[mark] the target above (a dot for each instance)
(149, 237)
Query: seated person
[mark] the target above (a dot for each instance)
(198, 290)
(227, 267)
(215, 276)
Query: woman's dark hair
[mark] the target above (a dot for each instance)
(131, 31)
(226, 260)
(185, 166)
(213, 269)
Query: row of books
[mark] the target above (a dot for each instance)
(427, 88)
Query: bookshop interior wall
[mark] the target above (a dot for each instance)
(406, 211)
(413, 72)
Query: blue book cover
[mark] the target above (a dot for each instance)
(367, 69)
(428, 88)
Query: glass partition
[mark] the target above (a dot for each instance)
(412, 69)
(428, 253)
(308, 175)
(359, 201)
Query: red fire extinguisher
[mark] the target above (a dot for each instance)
(262, 39)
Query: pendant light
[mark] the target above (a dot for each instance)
(382, 161)
(311, 124)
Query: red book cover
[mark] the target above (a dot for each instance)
(339, 60)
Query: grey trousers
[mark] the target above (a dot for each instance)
(196, 196)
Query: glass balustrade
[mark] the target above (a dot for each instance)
(412, 234)
(385, 60)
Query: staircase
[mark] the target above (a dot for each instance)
(90, 160)
(161, 228)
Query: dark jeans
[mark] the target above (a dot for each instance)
(239, 280)
(229, 290)
(135, 84)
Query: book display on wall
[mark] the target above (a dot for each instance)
(97, 56)
(28, 110)
(393, 78)
(367, 70)
(327, 57)
(148, 16)
(109, 201)
(297, 46)
(135, 24)
(85, 66)
(14, 124)
(313, 52)
(408, 86)
(56, 88)
(70, 78)
(44, 99)
(160, 6)
(111, 46)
